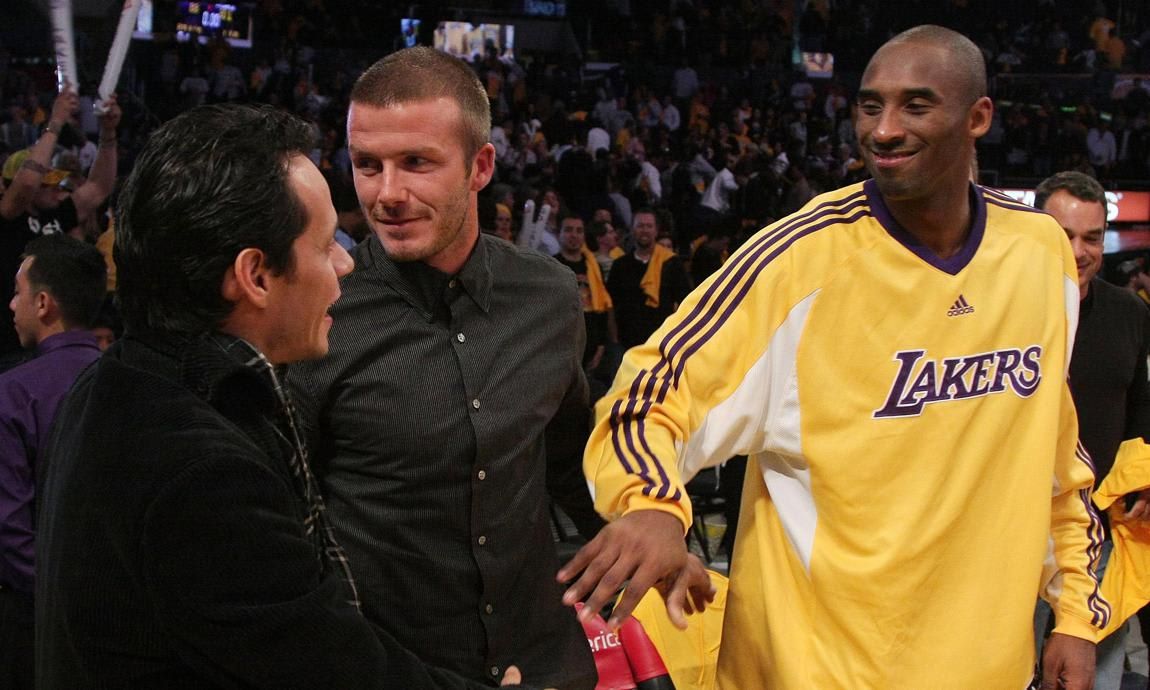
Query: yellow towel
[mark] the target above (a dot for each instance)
(600, 299)
(691, 655)
(616, 252)
(1126, 584)
(653, 277)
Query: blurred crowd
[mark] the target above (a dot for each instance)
(692, 107)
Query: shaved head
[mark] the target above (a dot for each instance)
(967, 61)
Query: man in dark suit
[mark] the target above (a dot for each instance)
(182, 539)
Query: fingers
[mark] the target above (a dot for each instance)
(1141, 508)
(690, 593)
(578, 563)
(511, 676)
(643, 579)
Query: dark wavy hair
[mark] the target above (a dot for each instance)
(208, 184)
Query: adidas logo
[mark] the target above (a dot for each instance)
(960, 307)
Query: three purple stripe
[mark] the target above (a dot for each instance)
(706, 312)
(1099, 607)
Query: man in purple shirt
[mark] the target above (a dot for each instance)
(59, 288)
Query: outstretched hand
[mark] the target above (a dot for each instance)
(643, 549)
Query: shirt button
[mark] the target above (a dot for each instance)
(475, 403)
(482, 540)
(489, 609)
(494, 670)
(460, 337)
(451, 283)
(482, 475)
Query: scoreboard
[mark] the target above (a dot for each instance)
(203, 20)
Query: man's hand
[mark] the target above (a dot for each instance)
(1141, 508)
(687, 593)
(1067, 663)
(66, 103)
(645, 547)
(511, 676)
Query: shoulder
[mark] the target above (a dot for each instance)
(160, 412)
(1006, 216)
(509, 262)
(849, 206)
(1130, 305)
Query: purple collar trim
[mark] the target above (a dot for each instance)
(951, 265)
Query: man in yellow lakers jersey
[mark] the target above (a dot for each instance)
(893, 359)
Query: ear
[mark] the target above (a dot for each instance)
(483, 167)
(46, 308)
(980, 116)
(246, 281)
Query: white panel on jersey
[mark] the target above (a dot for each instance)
(761, 419)
(1073, 300)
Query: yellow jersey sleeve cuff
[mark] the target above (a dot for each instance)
(680, 510)
(1076, 627)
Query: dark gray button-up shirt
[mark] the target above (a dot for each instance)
(428, 422)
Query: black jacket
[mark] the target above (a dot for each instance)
(171, 548)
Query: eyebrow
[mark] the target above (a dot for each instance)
(920, 92)
(416, 151)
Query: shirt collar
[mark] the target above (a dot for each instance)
(218, 367)
(952, 264)
(77, 337)
(417, 283)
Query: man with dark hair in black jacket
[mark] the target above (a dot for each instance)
(182, 540)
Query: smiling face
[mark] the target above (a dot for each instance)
(299, 298)
(1085, 226)
(917, 121)
(415, 182)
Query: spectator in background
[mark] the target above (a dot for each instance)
(647, 284)
(34, 204)
(1102, 147)
(59, 288)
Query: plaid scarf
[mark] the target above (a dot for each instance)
(287, 428)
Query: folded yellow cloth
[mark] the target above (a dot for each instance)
(653, 276)
(600, 299)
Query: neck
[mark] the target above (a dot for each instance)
(48, 330)
(571, 255)
(941, 222)
(644, 254)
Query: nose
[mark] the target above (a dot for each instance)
(888, 128)
(1079, 246)
(392, 191)
(341, 261)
